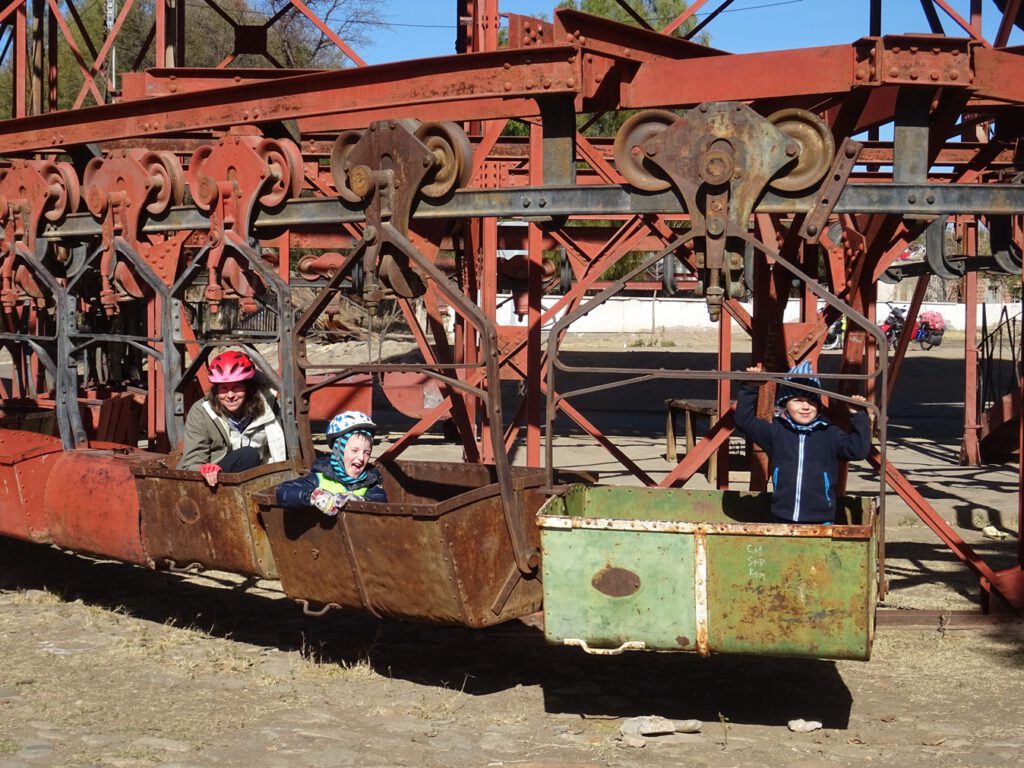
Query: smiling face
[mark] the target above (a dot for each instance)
(357, 455)
(231, 396)
(802, 410)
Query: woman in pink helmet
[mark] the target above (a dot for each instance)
(233, 428)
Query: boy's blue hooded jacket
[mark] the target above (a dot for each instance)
(804, 461)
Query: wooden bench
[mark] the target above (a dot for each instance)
(691, 410)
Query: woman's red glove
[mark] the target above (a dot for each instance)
(209, 473)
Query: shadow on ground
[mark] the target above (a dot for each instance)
(477, 662)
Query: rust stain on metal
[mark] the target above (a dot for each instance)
(186, 510)
(616, 582)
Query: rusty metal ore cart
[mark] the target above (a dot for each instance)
(439, 551)
(672, 569)
(185, 523)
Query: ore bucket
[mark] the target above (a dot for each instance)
(439, 550)
(706, 571)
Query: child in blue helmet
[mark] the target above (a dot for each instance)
(804, 448)
(344, 475)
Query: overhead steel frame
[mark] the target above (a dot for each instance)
(954, 101)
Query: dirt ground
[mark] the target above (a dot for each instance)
(106, 664)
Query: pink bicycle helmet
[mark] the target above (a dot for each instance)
(230, 367)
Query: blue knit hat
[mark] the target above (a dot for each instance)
(799, 374)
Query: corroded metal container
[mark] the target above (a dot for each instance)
(706, 571)
(438, 551)
(187, 523)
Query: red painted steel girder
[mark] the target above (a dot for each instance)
(478, 86)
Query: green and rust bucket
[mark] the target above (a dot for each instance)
(707, 571)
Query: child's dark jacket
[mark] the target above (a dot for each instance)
(804, 462)
(294, 494)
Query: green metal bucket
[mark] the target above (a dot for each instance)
(707, 571)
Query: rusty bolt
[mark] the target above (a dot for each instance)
(715, 226)
(526, 202)
(360, 181)
(716, 166)
(703, 107)
(851, 151)
(651, 150)
(895, 49)
(547, 83)
(812, 230)
(506, 65)
(570, 83)
(954, 75)
(542, 202)
(792, 149)
(930, 199)
(911, 199)
(508, 86)
(894, 72)
(934, 75)
(914, 75)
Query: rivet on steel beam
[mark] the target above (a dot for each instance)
(703, 107)
(911, 199)
(526, 202)
(851, 151)
(954, 75)
(508, 86)
(933, 75)
(542, 202)
(570, 83)
(812, 230)
(914, 75)
(930, 199)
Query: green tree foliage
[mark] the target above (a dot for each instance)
(292, 41)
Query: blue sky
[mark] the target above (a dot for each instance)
(423, 28)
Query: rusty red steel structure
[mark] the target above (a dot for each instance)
(147, 226)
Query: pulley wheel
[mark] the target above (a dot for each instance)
(62, 176)
(170, 190)
(453, 157)
(815, 149)
(339, 158)
(565, 274)
(630, 159)
(201, 186)
(284, 161)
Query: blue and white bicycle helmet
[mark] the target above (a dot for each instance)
(348, 422)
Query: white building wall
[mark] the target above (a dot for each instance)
(622, 314)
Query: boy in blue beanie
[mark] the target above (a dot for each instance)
(804, 448)
(344, 475)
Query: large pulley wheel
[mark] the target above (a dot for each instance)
(284, 162)
(397, 275)
(453, 157)
(202, 187)
(167, 179)
(815, 149)
(66, 193)
(631, 160)
(339, 161)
